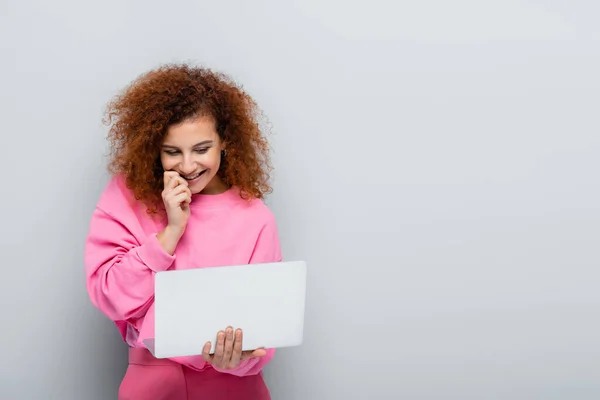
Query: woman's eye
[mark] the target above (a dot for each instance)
(175, 152)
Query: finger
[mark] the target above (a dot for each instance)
(177, 181)
(173, 180)
(189, 192)
(179, 199)
(228, 345)
(260, 352)
(206, 352)
(170, 193)
(218, 357)
(237, 348)
(168, 176)
(246, 355)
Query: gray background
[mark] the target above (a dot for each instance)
(437, 168)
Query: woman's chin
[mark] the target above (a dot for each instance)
(214, 186)
(197, 190)
(197, 187)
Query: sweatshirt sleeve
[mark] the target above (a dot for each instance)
(267, 249)
(120, 266)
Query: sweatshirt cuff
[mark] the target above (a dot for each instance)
(154, 256)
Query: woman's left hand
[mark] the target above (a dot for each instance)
(228, 351)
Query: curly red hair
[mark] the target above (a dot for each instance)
(141, 114)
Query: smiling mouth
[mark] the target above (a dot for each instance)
(192, 177)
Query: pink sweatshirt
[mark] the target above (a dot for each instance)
(122, 255)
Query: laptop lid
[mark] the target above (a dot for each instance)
(266, 301)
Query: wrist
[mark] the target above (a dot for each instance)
(169, 237)
(173, 232)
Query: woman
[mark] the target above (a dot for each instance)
(190, 167)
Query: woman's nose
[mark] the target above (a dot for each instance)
(188, 166)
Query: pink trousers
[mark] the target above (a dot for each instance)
(150, 378)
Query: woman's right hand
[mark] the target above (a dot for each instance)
(176, 197)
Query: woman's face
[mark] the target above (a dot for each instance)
(193, 149)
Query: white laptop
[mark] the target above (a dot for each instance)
(266, 301)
